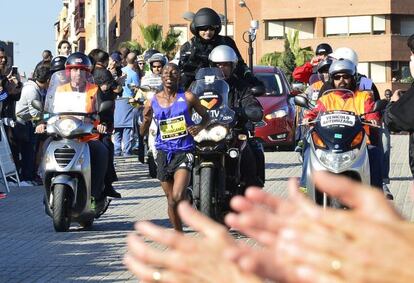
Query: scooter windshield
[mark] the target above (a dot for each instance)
(212, 91)
(71, 92)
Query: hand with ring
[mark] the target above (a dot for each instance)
(303, 243)
(187, 259)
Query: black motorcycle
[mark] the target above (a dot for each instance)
(216, 174)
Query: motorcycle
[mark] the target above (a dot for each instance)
(66, 165)
(338, 144)
(216, 174)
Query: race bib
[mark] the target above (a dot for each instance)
(173, 128)
(337, 119)
(69, 102)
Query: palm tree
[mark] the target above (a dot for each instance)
(153, 39)
(292, 56)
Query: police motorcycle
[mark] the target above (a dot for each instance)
(338, 144)
(216, 173)
(144, 93)
(66, 165)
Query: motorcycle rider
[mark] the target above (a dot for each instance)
(248, 110)
(205, 27)
(313, 93)
(343, 74)
(171, 110)
(308, 72)
(78, 66)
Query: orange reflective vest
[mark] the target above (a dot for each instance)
(91, 96)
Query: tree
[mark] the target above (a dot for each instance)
(292, 56)
(152, 36)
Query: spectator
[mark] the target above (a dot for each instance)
(46, 59)
(64, 48)
(141, 65)
(124, 51)
(12, 87)
(109, 88)
(124, 112)
(25, 130)
(298, 241)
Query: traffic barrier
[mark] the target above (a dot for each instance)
(7, 166)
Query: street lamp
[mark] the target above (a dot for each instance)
(254, 26)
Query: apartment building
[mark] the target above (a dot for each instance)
(376, 29)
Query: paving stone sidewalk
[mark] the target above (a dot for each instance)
(32, 252)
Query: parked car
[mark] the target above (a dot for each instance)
(277, 129)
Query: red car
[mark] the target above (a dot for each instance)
(277, 129)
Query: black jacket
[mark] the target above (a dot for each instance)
(248, 109)
(194, 55)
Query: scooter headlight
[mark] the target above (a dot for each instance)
(337, 161)
(216, 133)
(66, 126)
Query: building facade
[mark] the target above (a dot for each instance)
(376, 30)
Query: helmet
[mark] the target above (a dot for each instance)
(140, 58)
(345, 53)
(342, 66)
(158, 57)
(80, 61)
(323, 66)
(205, 17)
(223, 53)
(148, 53)
(57, 64)
(323, 48)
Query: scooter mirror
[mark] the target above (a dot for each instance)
(37, 104)
(297, 88)
(302, 101)
(258, 90)
(145, 88)
(380, 105)
(105, 107)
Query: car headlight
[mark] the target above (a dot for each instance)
(278, 113)
(337, 161)
(216, 134)
(66, 126)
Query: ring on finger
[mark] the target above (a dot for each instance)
(157, 276)
(336, 265)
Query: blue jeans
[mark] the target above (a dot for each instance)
(123, 137)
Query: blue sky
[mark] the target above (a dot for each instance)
(30, 25)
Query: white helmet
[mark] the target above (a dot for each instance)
(223, 53)
(345, 53)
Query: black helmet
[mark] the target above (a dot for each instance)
(148, 53)
(57, 64)
(80, 61)
(323, 49)
(323, 66)
(205, 17)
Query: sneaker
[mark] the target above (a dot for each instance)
(26, 184)
(387, 192)
(93, 204)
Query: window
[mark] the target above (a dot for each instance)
(354, 25)
(407, 26)
(400, 71)
(278, 29)
(230, 30)
(131, 9)
(272, 83)
(183, 34)
(376, 71)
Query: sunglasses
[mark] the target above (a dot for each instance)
(141, 63)
(156, 66)
(338, 77)
(210, 28)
